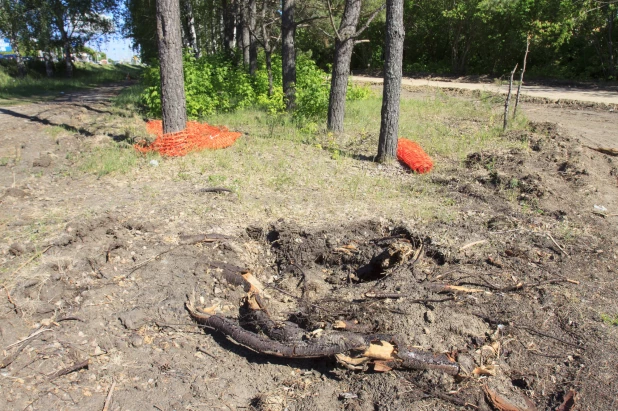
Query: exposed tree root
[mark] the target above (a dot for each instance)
(288, 340)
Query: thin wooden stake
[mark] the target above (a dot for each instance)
(521, 78)
(508, 100)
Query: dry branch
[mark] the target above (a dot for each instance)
(202, 238)
(508, 100)
(214, 190)
(108, 399)
(75, 367)
(8, 360)
(604, 150)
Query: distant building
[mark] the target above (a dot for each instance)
(103, 62)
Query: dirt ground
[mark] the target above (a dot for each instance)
(97, 269)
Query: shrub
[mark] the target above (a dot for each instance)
(214, 84)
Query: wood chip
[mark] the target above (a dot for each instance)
(381, 350)
(502, 404)
(569, 401)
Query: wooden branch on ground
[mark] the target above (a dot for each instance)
(285, 342)
(214, 190)
(75, 367)
(8, 360)
(605, 150)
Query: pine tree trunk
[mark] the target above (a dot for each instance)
(288, 53)
(169, 38)
(393, 59)
(189, 26)
(68, 59)
(344, 45)
(267, 49)
(246, 34)
(229, 26)
(253, 51)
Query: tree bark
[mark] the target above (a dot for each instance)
(189, 26)
(288, 53)
(229, 26)
(169, 37)
(49, 67)
(68, 58)
(267, 49)
(253, 52)
(344, 45)
(393, 60)
(246, 33)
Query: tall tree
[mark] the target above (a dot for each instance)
(393, 60)
(14, 27)
(253, 52)
(78, 21)
(345, 38)
(288, 53)
(169, 37)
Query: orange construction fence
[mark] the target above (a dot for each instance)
(196, 136)
(413, 156)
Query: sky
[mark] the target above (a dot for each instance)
(115, 47)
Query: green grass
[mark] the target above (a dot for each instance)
(610, 320)
(129, 98)
(85, 76)
(112, 158)
(445, 126)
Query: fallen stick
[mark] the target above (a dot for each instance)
(202, 238)
(8, 360)
(214, 190)
(604, 150)
(465, 247)
(31, 259)
(400, 295)
(108, 399)
(75, 367)
(557, 245)
(31, 336)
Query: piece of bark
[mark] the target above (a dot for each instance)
(502, 404)
(569, 401)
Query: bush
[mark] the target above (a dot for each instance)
(214, 84)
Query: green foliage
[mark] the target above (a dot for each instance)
(213, 84)
(609, 320)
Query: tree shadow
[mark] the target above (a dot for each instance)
(46, 122)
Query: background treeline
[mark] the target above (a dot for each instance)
(569, 38)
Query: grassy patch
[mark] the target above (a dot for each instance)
(609, 320)
(13, 90)
(129, 98)
(111, 158)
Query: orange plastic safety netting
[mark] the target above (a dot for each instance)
(413, 155)
(196, 136)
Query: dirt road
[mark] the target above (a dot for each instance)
(593, 95)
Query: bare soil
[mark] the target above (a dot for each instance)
(95, 269)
